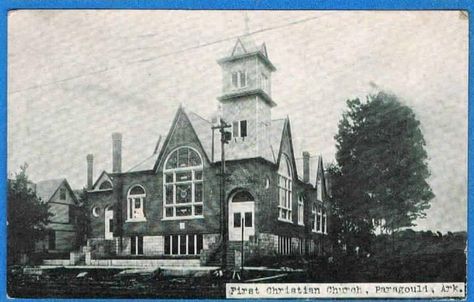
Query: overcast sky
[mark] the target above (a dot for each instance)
(77, 76)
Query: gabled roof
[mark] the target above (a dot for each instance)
(200, 126)
(244, 44)
(316, 166)
(46, 189)
(102, 175)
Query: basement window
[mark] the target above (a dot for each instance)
(136, 245)
(191, 244)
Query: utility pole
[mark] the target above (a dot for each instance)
(225, 138)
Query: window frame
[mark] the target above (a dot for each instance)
(194, 181)
(285, 186)
(131, 201)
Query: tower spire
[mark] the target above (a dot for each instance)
(246, 21)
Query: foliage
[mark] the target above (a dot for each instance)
(382, 167)
(82, 220)
(27, 215)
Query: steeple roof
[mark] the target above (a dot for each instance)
(245, 46)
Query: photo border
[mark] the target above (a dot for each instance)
(8, 5)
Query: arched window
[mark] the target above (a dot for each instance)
(242, 196)
(136, 203)
(285, 186)
(105, 185)
(182, 182)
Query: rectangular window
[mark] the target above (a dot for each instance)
(51, 240)
(318, 220)
(199, 243)
(300, 210)
(284, 245)
(324, 222)
(191, 244)
(183, 192)
(133, 245)
(243, 128)
(237, 220)
(183, 244)
(167, 245)
(248, 220)
(243, 78)
(285, 188)
(111, 225)
(235, 79)
(174, 244)
(136, 245)
(319, 190)
(62, 194)
(313, 216)
(239, 79)
(235, 129)
(239, 129)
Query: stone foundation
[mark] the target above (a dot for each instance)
(153, 245)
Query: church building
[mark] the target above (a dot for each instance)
(276, 203)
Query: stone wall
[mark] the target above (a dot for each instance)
(153, 245)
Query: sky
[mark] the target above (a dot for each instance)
(75, 77)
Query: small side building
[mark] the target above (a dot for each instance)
(63, 205)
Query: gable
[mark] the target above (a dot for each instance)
(64, 194)
(286, 148)
(181, 134)
(104, 177)
(238, 49)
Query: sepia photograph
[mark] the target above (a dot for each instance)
(237, 154)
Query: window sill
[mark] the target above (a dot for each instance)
(136, 220)
(181, 218)
(285, 220)
(300, 224)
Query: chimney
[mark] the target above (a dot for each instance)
(90, 170)
(116, 152)
(306, 157)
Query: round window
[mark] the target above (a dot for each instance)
(95, 211)
(267, 183)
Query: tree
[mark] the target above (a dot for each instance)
(27, 216)
(382, 164)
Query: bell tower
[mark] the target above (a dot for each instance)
(246, 100)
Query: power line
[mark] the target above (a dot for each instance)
(292, 23)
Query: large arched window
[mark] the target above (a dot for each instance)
(136, 203)
(182, 182)
(285, 186)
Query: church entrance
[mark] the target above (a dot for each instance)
(241, 216)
